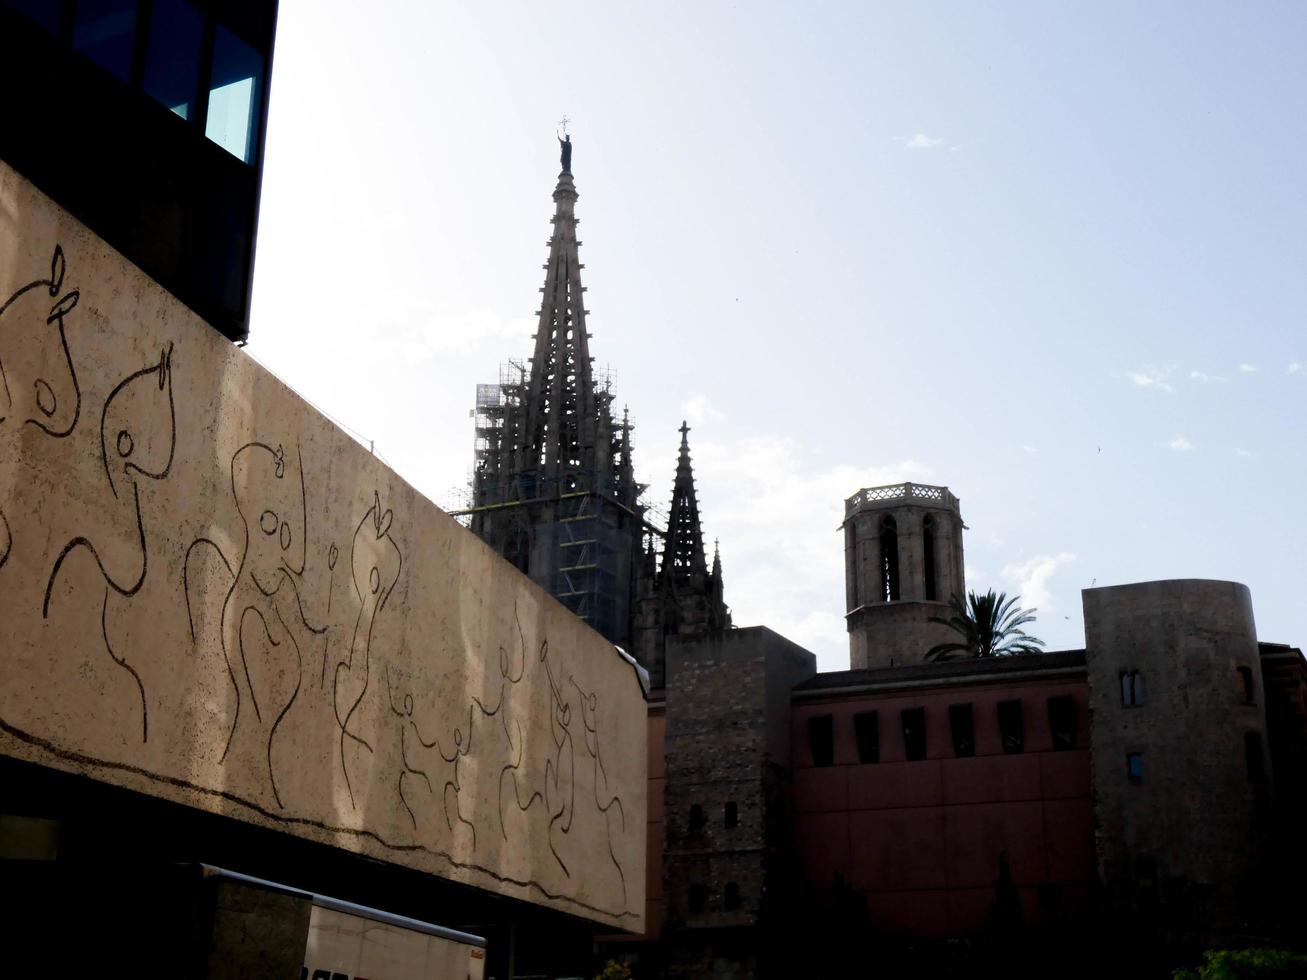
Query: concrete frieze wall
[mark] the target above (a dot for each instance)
(209, 593)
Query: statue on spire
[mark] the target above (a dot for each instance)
(565, 146)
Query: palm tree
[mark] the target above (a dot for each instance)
(990, 626)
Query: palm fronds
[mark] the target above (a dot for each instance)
(989, 626)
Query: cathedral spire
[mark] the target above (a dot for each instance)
(561, 407)
(683, 557)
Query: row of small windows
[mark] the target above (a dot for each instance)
(162, 47)
(962, 729)
(699, 820)
(1132, 687)
(699, 898)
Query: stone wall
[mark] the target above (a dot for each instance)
(211, 594)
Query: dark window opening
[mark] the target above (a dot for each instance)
(866, 729)
(44, 12)
(1246, 682)
(889, 560)
(1062, 721)
(1146, 890)
(1012, 726)
(1132, 688)
(731, 896)
(697, 819)
(105, 31)
(1252, 748)
(698, 899)
(928, 554)
(172, 56)
(962, 725)
(731, 818)
(914, 733)
(821, 740)
(1134, 766)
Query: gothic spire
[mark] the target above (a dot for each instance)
(561, 405)
(683, 557)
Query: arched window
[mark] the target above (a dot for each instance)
(889, 559)
(928, 555)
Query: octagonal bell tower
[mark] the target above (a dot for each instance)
(902, 562)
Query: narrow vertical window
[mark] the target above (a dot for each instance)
(1132, 688)
(1252, 748)
(1062, 721)
(731, 896)
(172, 55)
(821, 740)
(866, 728)
(889, 559)
(731, 816)
(1012, 726)
(1246, 684)
(928, 555)
(698, 899)
(914, 733)
(697, 819)
(1134, 766)
(962, 726)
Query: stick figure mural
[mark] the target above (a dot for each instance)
(138, 439)
(38, 384)
(264, 631)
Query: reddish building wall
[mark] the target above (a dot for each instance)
(922, 839)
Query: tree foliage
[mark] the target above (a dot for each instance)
(1244, 964)
(988, 625)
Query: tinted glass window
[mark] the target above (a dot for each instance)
(1134, 767)
(105, 31)
(1062, 721)
(866, 728)
(172, 57)
(821, 738)
(914, 733)
(1011, 725)
(962, 726)
(44, 12)
(235, 89)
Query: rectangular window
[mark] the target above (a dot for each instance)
(235, 93)
(963, 728)
(1252, 748)
(1132, 688)
(1012, 726)
(821, 740)
(731, 816)
(698, 899)
(1062, 721)
(105, 31)
(1134, 766)
(866, 728)
(697, 819)
(172, 55)
(914, 733)
(1246, 690)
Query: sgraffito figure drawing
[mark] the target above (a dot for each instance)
(138, 439)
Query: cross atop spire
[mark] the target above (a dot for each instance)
(683, 557)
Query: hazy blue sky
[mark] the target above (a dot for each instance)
(1049, 255)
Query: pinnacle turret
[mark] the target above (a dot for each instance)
(683, 558)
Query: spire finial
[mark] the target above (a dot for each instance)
(684, 430)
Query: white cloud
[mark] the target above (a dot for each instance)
(1295, 367)
(1243, 452)
(1206, 378)
(698, 409)
(1247, 369)
(1180, 444)
(1029, 449)
(1030, 579)
(920, 141)
(1159, 378)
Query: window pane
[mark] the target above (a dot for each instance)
(172, 58)
(821, 739)
(866, 728)
(44, 12)
(1062, 721)
(235, 89)
(914, 733)
(962, 725)
(105, 31)
(1011, 725)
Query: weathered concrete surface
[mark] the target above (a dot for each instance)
(1186, 832)
(210, 594)
(257, 933)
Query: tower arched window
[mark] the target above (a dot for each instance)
(928, 555)
(889, 559)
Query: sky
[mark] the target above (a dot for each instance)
(1048, 255)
